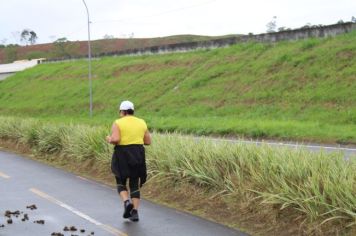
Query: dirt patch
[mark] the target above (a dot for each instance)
(145, 67)
(346, 54)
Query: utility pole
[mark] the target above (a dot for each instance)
(89, 61)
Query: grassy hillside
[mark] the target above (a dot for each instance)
(304, 90)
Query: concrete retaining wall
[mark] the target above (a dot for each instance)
(288, 35)
(17, 66)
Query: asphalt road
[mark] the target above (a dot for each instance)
(347, 152)
(64, 199)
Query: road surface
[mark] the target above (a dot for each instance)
(347, 152)
(63, 199)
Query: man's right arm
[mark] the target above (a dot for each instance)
(114, 138)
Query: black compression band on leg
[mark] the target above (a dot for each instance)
(121, 185)
(134, 189)
(121, 188)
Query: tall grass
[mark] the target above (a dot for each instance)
(80, 142)
(321, 186)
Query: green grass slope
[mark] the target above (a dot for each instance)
(303, 90)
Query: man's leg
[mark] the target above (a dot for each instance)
(122, 190)
(136, 202)
(135, 196)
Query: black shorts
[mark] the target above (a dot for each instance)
(129, 161)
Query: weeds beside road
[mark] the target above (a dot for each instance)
(318, 188)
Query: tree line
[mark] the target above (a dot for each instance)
(272, 25)
(63, 48)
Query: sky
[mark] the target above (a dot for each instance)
(53, 19)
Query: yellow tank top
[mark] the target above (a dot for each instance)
(132, 130)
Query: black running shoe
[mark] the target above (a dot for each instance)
(134, 215)
(128, 208)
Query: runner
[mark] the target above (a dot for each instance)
(129, 134)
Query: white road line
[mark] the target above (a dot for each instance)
(3, 175)
(107, 228)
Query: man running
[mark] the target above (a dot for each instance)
(129, 134)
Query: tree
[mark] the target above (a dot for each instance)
(340, 22)
(130, 41)
(65, 48)
(60, 47)
(306, 26)
(61, 40)
(272, 25)
(28, 35)
(25, 35)
(107, 36)
(33, 37)
(353, 19)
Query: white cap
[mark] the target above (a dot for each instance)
(126, 105)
